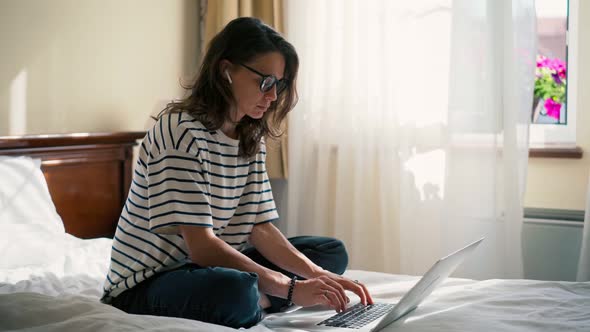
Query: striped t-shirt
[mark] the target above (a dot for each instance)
(185, 175)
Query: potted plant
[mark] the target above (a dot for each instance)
(550, 84)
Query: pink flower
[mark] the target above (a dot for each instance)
(553, 108)
(556, 65)
(542, 61)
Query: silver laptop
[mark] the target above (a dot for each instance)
(379, 315)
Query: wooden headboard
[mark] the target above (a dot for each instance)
(88, 175)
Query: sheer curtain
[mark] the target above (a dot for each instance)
(584, 262)
(410, 137)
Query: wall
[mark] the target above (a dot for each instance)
(92, 65)
(562, 183)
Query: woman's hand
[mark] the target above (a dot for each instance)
(328, 289)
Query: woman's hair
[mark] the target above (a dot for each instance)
(210, 97)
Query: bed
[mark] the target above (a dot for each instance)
(58, 212)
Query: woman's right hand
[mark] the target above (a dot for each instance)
(321, 290)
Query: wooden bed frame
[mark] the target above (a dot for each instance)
(88, 175)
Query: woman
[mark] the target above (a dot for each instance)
(195, 238)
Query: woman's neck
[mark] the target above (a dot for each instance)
(229, 126)
(229, 129)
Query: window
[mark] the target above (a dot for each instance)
(553, 116)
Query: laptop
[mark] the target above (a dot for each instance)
(377, 316)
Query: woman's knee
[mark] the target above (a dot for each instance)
(215, 295)
(237, 299)
(337, 249)
(329, 253)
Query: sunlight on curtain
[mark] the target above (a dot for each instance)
(410, 136)
(584, 261)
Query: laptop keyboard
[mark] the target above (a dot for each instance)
(358, 315)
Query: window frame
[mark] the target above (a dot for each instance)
(564, 134)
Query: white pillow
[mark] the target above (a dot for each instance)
(31, 248)
(24, 196)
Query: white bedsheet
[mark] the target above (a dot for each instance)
(469, 305)
(63, 296)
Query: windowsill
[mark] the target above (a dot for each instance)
(562, 151)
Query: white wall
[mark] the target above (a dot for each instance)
(105, 65)
(92, 65)
(562, 183)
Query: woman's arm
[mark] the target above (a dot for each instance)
(206, 249)
(273, 245)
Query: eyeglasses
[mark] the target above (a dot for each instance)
(268, 81)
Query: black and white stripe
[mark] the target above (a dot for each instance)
(185, 175)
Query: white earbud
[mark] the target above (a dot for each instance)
(228, 77)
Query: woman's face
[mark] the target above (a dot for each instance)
(246, 84)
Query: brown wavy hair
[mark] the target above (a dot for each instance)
(210, 97)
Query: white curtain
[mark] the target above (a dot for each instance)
(410, 138)
(584, 263)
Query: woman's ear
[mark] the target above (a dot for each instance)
(224, 66)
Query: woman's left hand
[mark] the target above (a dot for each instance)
(351, 285)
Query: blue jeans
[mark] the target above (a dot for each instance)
(222, 295)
